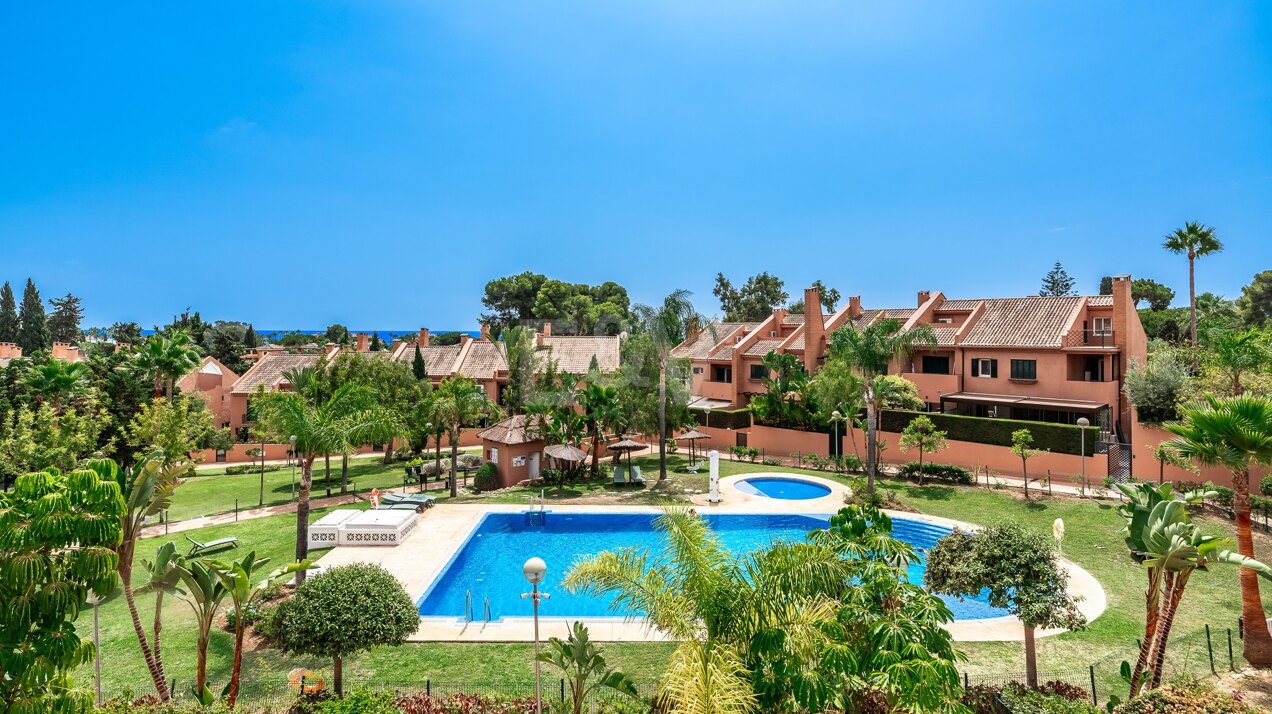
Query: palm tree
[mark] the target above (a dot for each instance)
(167, 359)
(1234, 432)
(204, 591)
(666, 325)
(336, 424)
(147, 490)
(1238, 352)
(164, 576)
(56, 381)
(871, 351)
(458, 402)
(717, 606)
(600, 410)
(1194, 240)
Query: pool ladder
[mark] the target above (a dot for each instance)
(469, 613)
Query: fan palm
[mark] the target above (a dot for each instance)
(665, 324)
(336, 424)
(1194, 240)
(1234, 433)
(167, 358)
(1239, 352)
(458, 402)
(871, 351)
(57, 381)
(600, 410)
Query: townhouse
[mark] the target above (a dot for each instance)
(60, 350)
(1051, 359)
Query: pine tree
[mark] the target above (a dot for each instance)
(1106, 285)
(64, 323)
(249, 337)
(376, 343)
(1057, 283)
(33, 333)
(8, 315)
(417, 365)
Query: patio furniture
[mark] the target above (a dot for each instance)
(692, 436)
(323, 532)
(418, 499)
(633, 473)
(636, 478)
(378, 527)
(620, 475)
(198, 548)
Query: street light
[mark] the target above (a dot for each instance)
(707, 421)
(835, 417)
(292, 440)
(1083, 423)
(534, 570)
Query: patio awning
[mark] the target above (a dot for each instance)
(706, 403)
(1012, 400)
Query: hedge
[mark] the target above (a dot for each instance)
(250, 469)
(937, 472)
(1056, 438)
(724, 419)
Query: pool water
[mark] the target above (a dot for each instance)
(488, 564)
(787, 489)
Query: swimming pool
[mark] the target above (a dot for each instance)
(488, 564)
(784, 488)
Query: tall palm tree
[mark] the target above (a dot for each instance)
(57, 381)
(336, 424)
(871, 351)
(1234, 432)
(600, 410)
(1238, 352)
(167, 358)
(666, 325)
(458, 402)
(1194, 240)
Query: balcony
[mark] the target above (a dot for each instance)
(932, 386)
(1098, 339)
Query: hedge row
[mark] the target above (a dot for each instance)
(250, 469)
(1056, 438)
(724, 419)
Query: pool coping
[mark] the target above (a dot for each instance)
(423, 556)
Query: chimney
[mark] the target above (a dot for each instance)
(485, 333)
(422, 340)
(61, 351)
(465, 338)
(10, 350)
(547, 329)
(924, 296)
(814, 329)
(362, 342)
(854, 306)
(1123, 306)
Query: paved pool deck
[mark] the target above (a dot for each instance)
(422, 557)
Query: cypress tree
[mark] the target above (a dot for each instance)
(418, 366)
(8, 315)
(376, 343)
(33, 332)
(64, 323)
(249, 337)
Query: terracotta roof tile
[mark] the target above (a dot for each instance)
(510, 431)
(1022, 322)
(1100, 301)
(945, 335)
(795, 318)
(268, 371)
(704, 342)
(958, 305)
(899, 313)
(574, 354)
(483, 360)
(763, 347)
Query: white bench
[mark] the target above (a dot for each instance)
(325, 532)
(377, 528)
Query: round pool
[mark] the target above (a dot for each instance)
(786, 489)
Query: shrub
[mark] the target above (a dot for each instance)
(429, 469)
(487, 478)
(851, 462)
(360, 701)
(1025, 701)
(468, 461)
(1057, 438)
(463, 704)
(1184, 698)
(250, 469)
(1265, 485)
(772, 462)
(938, 472)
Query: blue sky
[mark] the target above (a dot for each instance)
(374, 163)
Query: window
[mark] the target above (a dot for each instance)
(494, 455)
(936, 364)
(697, 370)
(984, 367)
(1024, 369)
(720, 373)
(772, 333)
(1102, 326)
(759, 372)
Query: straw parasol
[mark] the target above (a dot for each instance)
(629, 445)
(565, 452)
(692, 436)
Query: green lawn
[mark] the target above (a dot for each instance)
(1091, 540)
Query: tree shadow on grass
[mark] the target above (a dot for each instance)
(928, 493)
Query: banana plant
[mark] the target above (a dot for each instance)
(236, 579)
(204, 592)
(584, 667)
(165, 576)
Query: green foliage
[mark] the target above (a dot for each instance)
(37, 438)
(754, 301)
(1255, 303)
(1154, 388)
(328, 616)
(578, 308)
(1157, 296)
(786, 401)
(177, 427)
(1055, 438)
(938, 472)
(518, 346)
(584, 668)
(33, 329)
(167, 358)
(1185, 698)
(1057, 282)
(64, 323)
(829, 298)
(1020, 700)
(921, 434)
(359, 701)
(56, 537)
(486, 478)
(9, 323)
(250, 469)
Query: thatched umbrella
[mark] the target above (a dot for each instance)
(692, 436)
(565, 452)
(629, 445)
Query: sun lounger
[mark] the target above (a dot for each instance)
(418, 499)
(398, 506)
(197, 548)
(636, 477)
(620, 475)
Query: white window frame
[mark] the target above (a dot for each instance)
(1102, 326)
(697, 370)
(494, 454)
(985, 367)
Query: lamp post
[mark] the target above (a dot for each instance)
(262, 494)
(707, 421)
(1083, 423)
(97, 650)
(534, 570)
(292, 441)
(835, 418)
